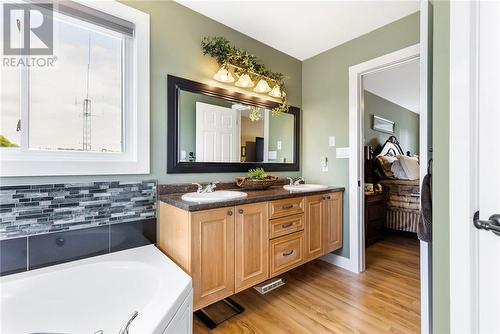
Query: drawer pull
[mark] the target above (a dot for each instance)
(286, 225)
(288, 253)
(230, 213)
(240, 211)
(288, 206)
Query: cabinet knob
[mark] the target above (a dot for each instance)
(326, 197)
(230, 213)
(240, 211)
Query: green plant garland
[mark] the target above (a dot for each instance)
(226, 54)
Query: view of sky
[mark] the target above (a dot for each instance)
(57, 94)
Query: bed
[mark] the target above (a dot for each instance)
(402, 194)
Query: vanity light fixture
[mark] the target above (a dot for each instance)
(223, 75)
(262, 87)
(246, 67)
(275, 92)
(244, 81)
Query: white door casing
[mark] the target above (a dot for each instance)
(217, 133)
(474, 166)
(488, 252)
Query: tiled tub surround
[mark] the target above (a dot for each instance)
(48, 224)
(33, 209)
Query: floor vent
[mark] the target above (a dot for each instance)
(269, 285)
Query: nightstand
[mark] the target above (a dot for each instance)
(375, 215)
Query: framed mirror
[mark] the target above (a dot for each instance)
(211, 129)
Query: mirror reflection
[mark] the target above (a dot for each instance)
(212, 129)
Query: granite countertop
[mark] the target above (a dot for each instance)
(254, 196)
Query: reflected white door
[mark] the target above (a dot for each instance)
(217, 133)
(488, 256)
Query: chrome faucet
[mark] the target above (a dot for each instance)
(296, 181)
(124, 330)
(208, 189)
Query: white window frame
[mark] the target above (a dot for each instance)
(135, 156)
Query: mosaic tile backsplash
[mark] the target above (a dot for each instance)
(34, 209)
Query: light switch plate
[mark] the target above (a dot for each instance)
(279, 145)
(324, 164)
(331, 141)
(342, 153)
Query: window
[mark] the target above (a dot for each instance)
(85, 114)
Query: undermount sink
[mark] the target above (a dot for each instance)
(305, 187)
(216, 196)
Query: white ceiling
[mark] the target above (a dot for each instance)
(303, 29)
(399, 84)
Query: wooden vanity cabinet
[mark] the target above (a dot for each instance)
(332, 233)
(212, 262)
(227, 250)
(323, 229)
(251, 245)
(315, 220)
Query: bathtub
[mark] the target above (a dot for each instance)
(98, 295)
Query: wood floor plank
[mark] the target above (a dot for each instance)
(321, 298)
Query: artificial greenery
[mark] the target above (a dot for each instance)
(226, 54)
(257, 174)
(4, 142)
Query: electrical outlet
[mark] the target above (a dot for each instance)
(278, 144)
(331, 141)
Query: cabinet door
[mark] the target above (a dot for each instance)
(314, 226)
(251, 245)
(333, 222)
(212, 255)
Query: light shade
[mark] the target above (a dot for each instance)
(262, 87)
(275, 92)
(244, 81)
(223, 75)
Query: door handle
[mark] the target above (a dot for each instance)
(492, 224)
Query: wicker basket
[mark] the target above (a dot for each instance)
(247, 183)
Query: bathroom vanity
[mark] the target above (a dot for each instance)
(227, 247)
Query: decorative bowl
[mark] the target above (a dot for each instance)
(252, 184)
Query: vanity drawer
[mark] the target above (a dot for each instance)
(286, 207)
(285, 225)
(286, 252)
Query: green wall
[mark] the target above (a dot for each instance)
(176, 33)
(406, 127)
(325, 101)
(440, 179)
(281, 128)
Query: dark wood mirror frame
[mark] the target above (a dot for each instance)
(174, 86)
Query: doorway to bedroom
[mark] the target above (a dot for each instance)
(391, 149)
(391, 146)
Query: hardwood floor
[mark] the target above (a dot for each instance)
(321, 298)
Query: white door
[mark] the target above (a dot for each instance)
(488, 311)
(217, 133)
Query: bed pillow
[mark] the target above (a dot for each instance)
(410, 166)
(398, 171)
(385, 162)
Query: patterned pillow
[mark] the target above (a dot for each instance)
(385, 162)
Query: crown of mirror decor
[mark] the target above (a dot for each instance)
(249, 72)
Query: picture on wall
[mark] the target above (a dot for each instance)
(383, 125)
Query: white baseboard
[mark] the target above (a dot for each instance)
(340, 261)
